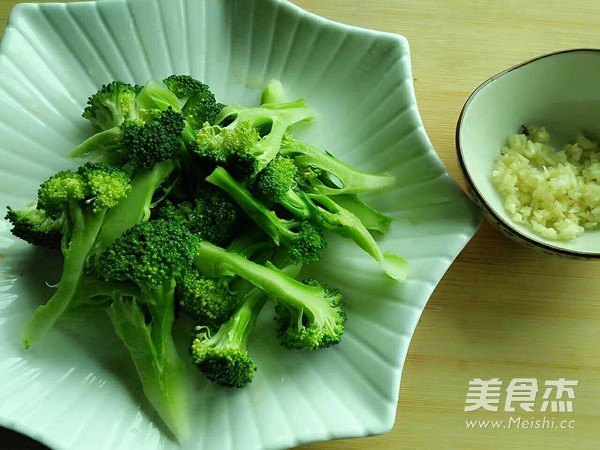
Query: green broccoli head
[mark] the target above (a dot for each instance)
(159, 139)
(184, 85)
(277, 178)
(112, 105)
(211, 216)
(150, 254)
(95, 186)
(36, 227)
(206, 300)
(311, 324)
(231, 148)
(199, 104)
(304, 241)
(222, 357)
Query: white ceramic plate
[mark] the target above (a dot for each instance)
(79, 391)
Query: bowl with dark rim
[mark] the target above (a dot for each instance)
(559, 91)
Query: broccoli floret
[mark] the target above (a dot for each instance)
(278, 182)
(151, 255)
(151, 148)
(333, 217)
(210, 301)
(314, 316)
(184, 86)
(112, 105)
(303, 240)
(211, 215)
(258, 140)
(206, 300)
(229, 147)
(197, 101)
(36, 227)
(149, 143)
(83, 197)
(223, 357)
(144, 142)
(310, 324)
(322, 173)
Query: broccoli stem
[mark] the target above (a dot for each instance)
(155, 357)
(213, 261)
(333, 217)
(104, 143)
(372, 219)
(352, 181)
(84, 230)
(266, 219)
(135, 208)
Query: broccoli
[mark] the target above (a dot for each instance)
(36, 227)
(223, 357)
(198, 103)
(151, 256)
(322, 173)
(151, 151)
(212, 215)
(273, 93)
(303, 240)
(249, 142)
(278, 183)
(310, 316)
(333, 217)
(112, 105)
(372, 219)
(83, 197)
(227, 147)
(209, 301)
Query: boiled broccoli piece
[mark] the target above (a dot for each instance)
(36, 227)
(83, 197)
(112, 105)
(249, 142)
(209, 301)
(322, 173)
(372, 219)
(198, 103)
(278, 183)
(303, 240)
(212, 215)
(311, 316)
(222, 357)
(150, 148)
(151, 255)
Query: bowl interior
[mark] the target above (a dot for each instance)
(559, 91)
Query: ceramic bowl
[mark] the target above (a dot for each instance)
(559, 91)
(79, 390)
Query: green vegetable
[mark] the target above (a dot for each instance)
(36, 227)
(151, 255)
(303, 240)
(83, 197)
(322, 173)
(310, 316)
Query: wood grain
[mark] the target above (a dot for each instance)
(501, 310)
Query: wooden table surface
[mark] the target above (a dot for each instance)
(501, 310)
